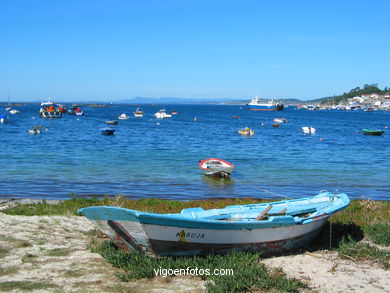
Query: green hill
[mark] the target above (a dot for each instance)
(357, 91)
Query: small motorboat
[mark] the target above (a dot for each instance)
(138, 113)
(75, 110)
(246, 131)
(3, 119)
(308, 130)
(111, 122)
(376, 132)
(236, 117)
(108, 131)
(123, 116)
(14, 111)
(269, 228)
(162, 114)
(216, 167)
(174, 112)
(35, 130)
(280, 120)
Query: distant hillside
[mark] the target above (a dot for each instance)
(357, 91)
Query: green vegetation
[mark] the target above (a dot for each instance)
(70, 207)
(24, 286)
(367, 89)
(363, 220)
(349, 248)
(59, 252)
(248, 273)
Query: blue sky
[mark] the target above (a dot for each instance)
(109, 50)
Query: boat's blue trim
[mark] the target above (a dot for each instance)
(106, 213)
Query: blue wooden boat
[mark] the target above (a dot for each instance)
(269, 228)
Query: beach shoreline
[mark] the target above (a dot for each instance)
(51, 253)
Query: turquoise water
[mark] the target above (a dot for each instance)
(159, 158)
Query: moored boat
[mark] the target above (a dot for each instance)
(108, 131)
(280, 120)
(138, 113)
(75, 110)
(246, 131)
(111, 122)
(268, 228)
(49, 110)
(376, 132)
(308, 130)
(216, 167)
(35, 130)
(266, 105)
(162, 114)
(123, 116)
(14, 111)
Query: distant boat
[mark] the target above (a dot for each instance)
(138, 113)
(49, 110)
(14, 111)
(75, 110)
(258, 105)
(3, 118)
(216, 167)
(280, 120)
(108, 131)
(376, 132)
(123, 116)
(246, 131)
(269, 228)
(174, 112)
(162, 114)
(111, 122)
(35, 130)
(308, 130)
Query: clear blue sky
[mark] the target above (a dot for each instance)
(108, 50)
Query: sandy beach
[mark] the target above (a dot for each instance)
(50, 254)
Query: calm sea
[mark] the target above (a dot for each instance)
(159, 158)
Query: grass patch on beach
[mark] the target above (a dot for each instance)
(59, 252)
(8, 271)
(70, 207)
(245, 272)
(25, 286)
(350, 249)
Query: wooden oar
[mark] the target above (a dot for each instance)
(263, 213)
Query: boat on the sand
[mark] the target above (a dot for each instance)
(269, 228)
(216, 167)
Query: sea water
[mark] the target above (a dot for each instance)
(149, 157)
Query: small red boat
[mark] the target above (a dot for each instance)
(216, 167)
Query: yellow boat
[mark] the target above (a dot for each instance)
(246, 131)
